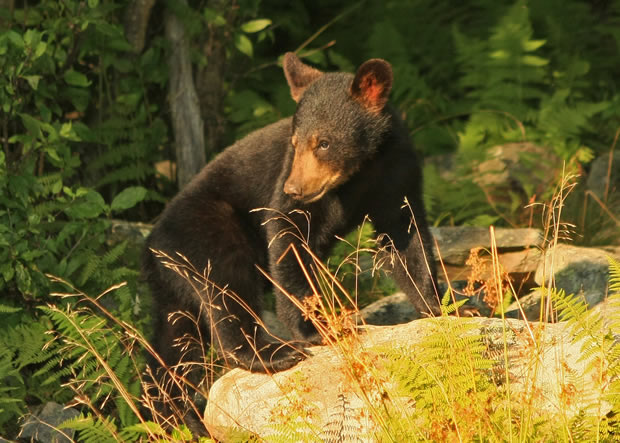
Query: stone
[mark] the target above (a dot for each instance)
(455, 243)
(540, 355)
(530, 306)
(576, 270)
(390, 310)
(43, 426)
(509, 166)
(603, 180)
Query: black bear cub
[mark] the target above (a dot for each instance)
(344, 154)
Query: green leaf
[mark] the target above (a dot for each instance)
(75, 78)
(244, 44)
(57, 186)
(31, 36)
(213, 18)
(23, 279)
(532, 45)
(78, 96)
(90, 206)
(128, 198)
(15, 38)
(255, 25)
(66, 131)
(33, 80)
(40, 50)
(93, 3)
(7, 309)
(8, 271)
(33, 126)
(533, 60)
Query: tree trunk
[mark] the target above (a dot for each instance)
(186, 117)
(210, 79)
(136, 22)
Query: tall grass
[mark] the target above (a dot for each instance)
(457, 384)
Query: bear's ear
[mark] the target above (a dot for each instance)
(298, 75)
(372, 84)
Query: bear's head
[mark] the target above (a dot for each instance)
(339, 124)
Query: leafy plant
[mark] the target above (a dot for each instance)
(25, 359)
(600, 349)
(51, 220)
(505, 93)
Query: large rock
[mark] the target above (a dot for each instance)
(334, 404)
(394, 309)
(576, 270)
(604, 177)
(43, 426)
(456, 242)
(510, 164)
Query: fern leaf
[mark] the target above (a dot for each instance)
(91, 430)
(6, 309)
(614, 275)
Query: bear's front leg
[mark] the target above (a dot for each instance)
(288, 259)
(408, 254)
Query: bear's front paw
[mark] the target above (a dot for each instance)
(313, 339)
(273, 357)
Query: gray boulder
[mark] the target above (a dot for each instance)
(43, 426)
(331, 404)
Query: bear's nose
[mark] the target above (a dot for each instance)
(292, 189)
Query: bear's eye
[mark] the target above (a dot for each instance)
(323, 144)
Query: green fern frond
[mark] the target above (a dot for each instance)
(48, 207)
(614, 276)
(563, 118)
(50, 183)
(447, 307)
(505, 71)
(6, 309)
(31, 339)
(599, 347)
(92, 430)
(95, 358)
(114, 254)
(12, 402)
(93, 263)
(143, 430)
(22, 348)
(449, 367)
(134, 173)
(571, 309)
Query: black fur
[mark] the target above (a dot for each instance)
(374, 168)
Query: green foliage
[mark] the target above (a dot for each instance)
(601, 350)
(84, 119)
(93, 430)
(448, 383)
(65, 80)
(456, 387)
(25, 359)
(97, 430)
(98, 360)
(292, 415)
(517, 94)
(477, 75)
(49, 222)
